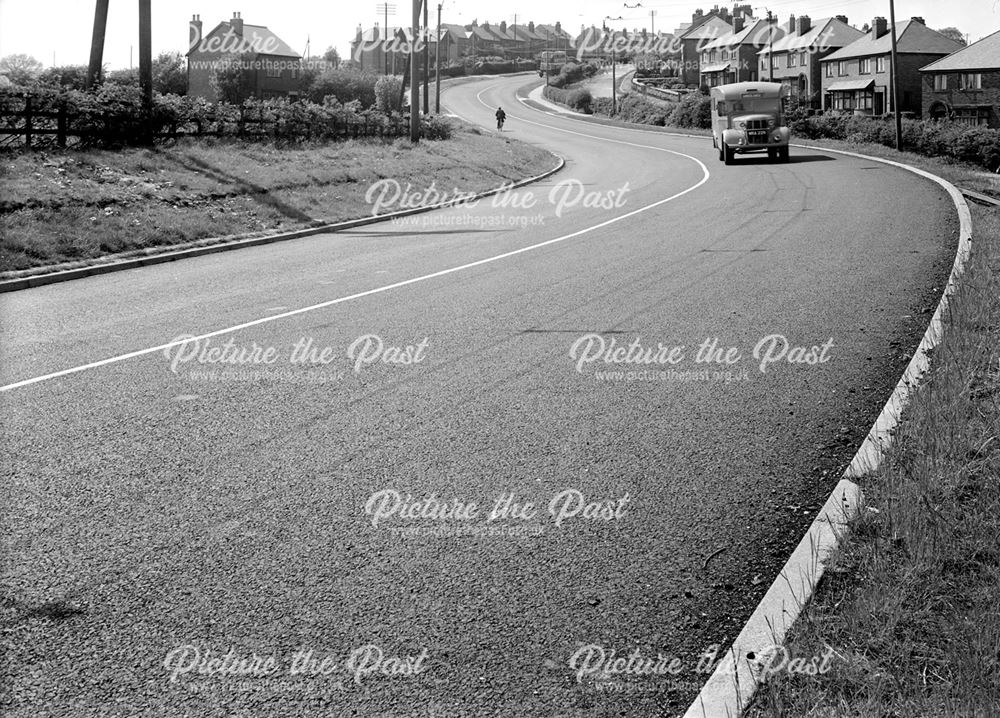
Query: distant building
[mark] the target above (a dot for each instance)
(795, 59)
(856, 78)
(273, 68)
(703, 30)
(733, 56)
(965, 86)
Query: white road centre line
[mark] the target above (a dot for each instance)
(389, 287)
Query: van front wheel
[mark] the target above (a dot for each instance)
(722, 153)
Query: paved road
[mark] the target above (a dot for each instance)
(157, 518)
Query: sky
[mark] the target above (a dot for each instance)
(59, 31)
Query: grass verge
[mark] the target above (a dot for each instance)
(909, 605)
(66, 209)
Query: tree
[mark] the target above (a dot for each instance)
(231, 79)
(170, 74)
(953, 33)
(20, 69)
(332, 58)
(72, 77)
(389, 94)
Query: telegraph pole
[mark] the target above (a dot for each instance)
(770, 47)
(437, 66)
(895, 82)
(146, 64)
(97, 43)
(414, 84)
(427, 58)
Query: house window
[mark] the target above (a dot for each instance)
(972, 116)
(865, 66)
(789, 60)
(843, 100)
(879, 64)
(803, 58)
(829, 69)
(842, 68)
(273, 70)
(970, 81)
(940, 83)
(763, 63)
(865, 100)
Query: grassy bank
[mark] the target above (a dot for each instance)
(69, 208)
(909, 606)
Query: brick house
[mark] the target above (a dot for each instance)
(856, 78)
(733, 57)
(380, 52)
(965, 86)
(703, 30)
(274, 68)
(795, 59)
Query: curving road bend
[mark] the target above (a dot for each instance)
(158, 516)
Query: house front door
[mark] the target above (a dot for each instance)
(879, 104)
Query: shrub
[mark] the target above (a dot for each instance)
(389, 94)
(578, 99)
(346, 84)
(436, 127)
(695, 110)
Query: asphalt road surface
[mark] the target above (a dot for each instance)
(185, 541)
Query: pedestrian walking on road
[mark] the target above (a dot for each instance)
(501, 116)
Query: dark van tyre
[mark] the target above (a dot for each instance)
(784, 154)
(729, 154)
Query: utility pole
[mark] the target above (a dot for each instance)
(146, 64)
(427, 58)
(437, 67)
(895, 81)
(770, 47)
(97, 43)
(614, 80)
(414, 68)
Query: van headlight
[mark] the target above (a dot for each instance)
(742, 125)
(770, 123)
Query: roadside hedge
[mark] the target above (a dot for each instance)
(695, 110)
(578, 99)
(933, 138)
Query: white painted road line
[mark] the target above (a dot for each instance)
(370, 292)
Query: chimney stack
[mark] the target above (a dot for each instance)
(738, 24)
(842, 18)
(791, 24)
(195, 34)
(918, 19)
(805, 24)
(237, 24)
(879, 27)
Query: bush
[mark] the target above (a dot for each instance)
(695, 110)
(436, 127)
(345, 84)
(389, 94)
(578, 99)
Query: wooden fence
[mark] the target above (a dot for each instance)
(27, 122)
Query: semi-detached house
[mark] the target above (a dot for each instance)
(856, 79)
(965, 86)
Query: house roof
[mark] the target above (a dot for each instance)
(913, 37)
(755, 33)
(254, 37)
(457, 31)
(825, 34)
(981, 55)
(711, 28)
(551, 29)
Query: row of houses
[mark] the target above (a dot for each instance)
(827, 64)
